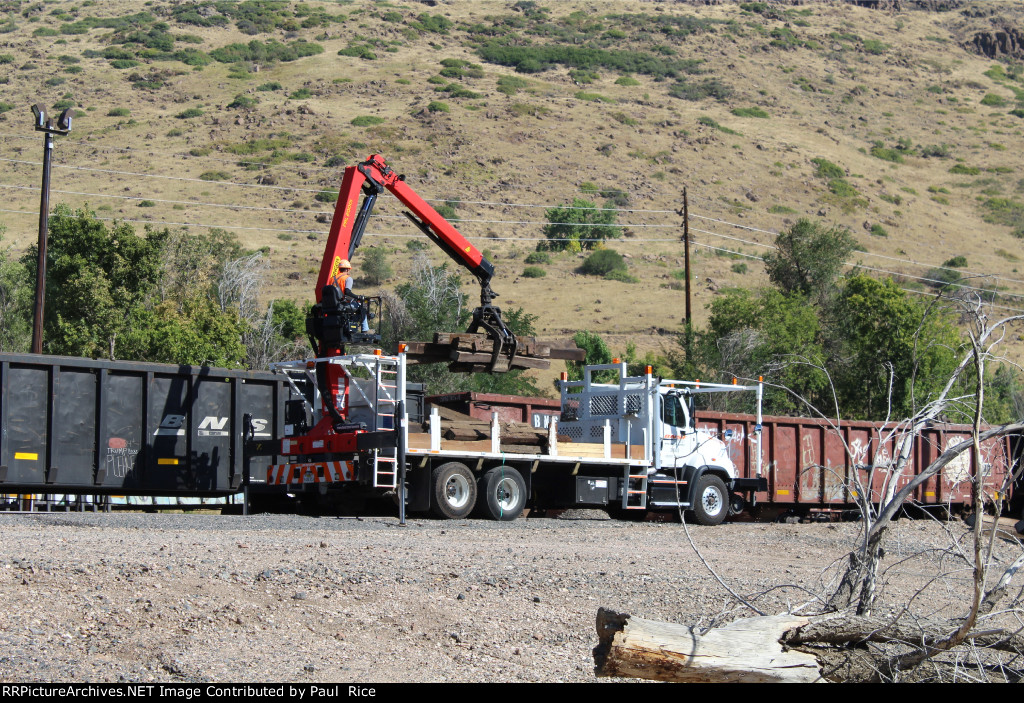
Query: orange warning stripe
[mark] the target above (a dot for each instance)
(315, 472)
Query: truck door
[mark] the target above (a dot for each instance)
(676, 430)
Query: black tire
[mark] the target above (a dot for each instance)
(504, 494)
(711, 501)
(737, 504)
(454, 490)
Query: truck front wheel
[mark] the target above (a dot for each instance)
(711, 504)
(504, 493)
(454, 490)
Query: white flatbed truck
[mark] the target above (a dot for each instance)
(627, 443)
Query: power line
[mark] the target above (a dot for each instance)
(140, 153)
(872, 268)
(905, 290)
(170, 178)
(868, 253)
(321, 212)
(481, 221)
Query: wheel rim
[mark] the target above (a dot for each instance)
(507, 494)
(712, 501)
(456, 491)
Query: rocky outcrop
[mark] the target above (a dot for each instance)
(1006, 42)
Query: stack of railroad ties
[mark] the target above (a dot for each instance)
(467, 352)
(516, 437)
(472, 353)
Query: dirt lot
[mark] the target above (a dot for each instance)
(208, 598)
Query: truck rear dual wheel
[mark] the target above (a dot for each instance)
(503, 493)
(454, 490)
(711, 502)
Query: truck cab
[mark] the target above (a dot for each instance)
(682, 444)
(676, 465)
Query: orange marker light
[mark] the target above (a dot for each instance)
(616, 361)
(565, 376)
(401, 348)
(377, 352)
(648, 370)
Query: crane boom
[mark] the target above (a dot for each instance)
(372, 177)
(369, 179)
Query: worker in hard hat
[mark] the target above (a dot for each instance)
(342, 278)
(341, 275)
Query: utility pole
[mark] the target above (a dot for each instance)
(63, 127)
(685, 213)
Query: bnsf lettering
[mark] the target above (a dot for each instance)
(541, 421)
(171, 425)
(213, 423)
(172, 421)
(212, 426)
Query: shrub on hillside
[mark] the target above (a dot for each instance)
(603, 262)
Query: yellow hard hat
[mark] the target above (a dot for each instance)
(344, 264)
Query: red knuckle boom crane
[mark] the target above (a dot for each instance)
(339, 318)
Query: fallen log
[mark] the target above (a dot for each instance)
(747, 650)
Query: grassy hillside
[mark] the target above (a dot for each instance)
(243, 116)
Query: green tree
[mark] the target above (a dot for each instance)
(1004, 396)
(770, 334)
(112, 293)
(195, 332)
(894, 353)
(809, 258)
(16, 298)
(434, 300)
(290, 319)
(96, 278)
(431, 301)
(637, 366)
(597, 352)
(375, 266)
(579, 226)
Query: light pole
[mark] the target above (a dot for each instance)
(45, 125)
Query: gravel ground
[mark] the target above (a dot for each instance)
(269, 598)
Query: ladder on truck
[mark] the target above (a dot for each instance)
(385, 461)
(382, 400)
(634, 488)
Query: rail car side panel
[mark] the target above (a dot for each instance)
(73, 425)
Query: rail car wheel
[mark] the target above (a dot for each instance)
(454, 490)
(504, 492)
(737, 504)
(711, 504)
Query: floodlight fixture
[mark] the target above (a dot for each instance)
(64, 121)
(39, 110)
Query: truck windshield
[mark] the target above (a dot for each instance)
(674, 412)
